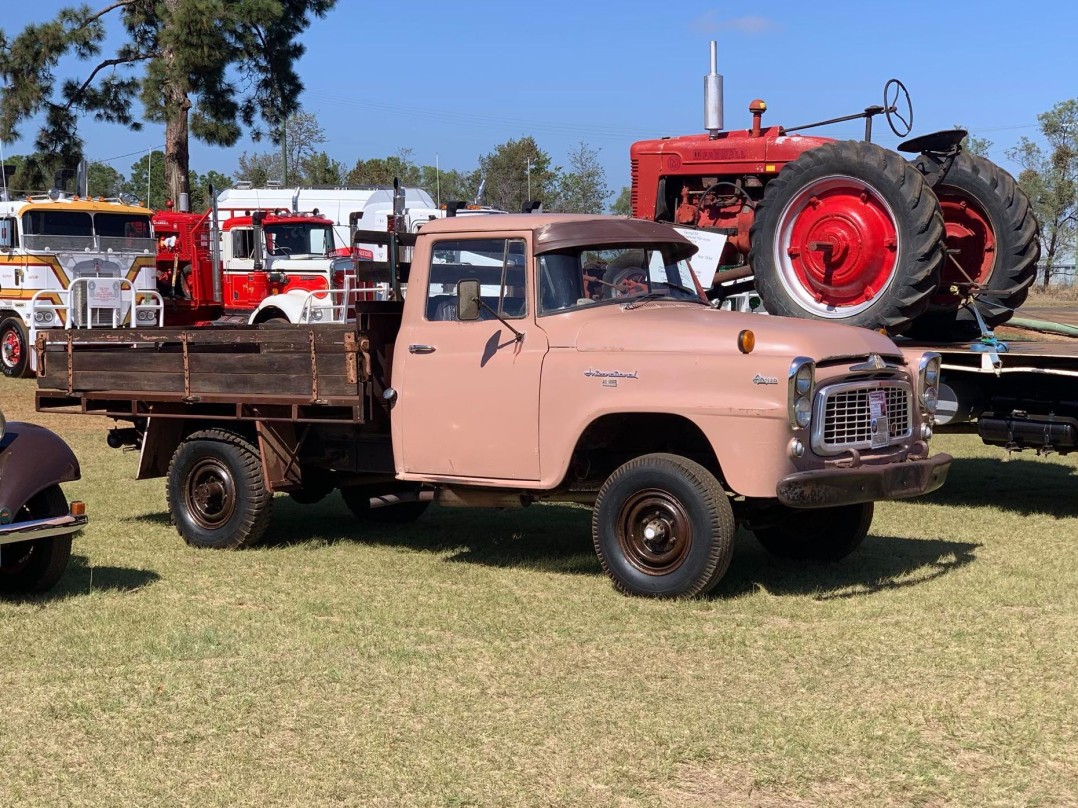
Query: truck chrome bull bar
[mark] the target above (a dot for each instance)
(96, 302)
(338, 305)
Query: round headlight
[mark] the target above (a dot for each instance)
(803, 411)
(932, 375)
(803, 380)
(930, 399)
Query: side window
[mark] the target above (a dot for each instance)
(499, 264)
(242, 243)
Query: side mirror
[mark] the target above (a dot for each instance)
(468, 299)
(6, 240)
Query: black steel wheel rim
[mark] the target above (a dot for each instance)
(210, 494)
(654, 531)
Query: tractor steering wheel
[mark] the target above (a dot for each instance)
(894, 91)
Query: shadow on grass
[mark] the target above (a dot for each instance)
(81, 578)
(557, 539)
(1021, 486)
(883, 563)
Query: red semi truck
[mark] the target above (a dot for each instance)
(259, 254)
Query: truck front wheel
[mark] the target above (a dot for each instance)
(29, 567)
(14, 348)
(817, 534)
(217, 497)
(663, 527)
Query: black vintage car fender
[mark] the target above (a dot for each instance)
(32, 459)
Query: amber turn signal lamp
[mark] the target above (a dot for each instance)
(746, 341)
(78, 508)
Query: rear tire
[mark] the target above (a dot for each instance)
(818, 534)
(663, 527)
(217, 497)
(14, 348)
(31, 567)
(991, 227)
(848, 232)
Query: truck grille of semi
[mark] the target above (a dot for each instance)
(843, 414)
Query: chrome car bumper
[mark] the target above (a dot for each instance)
(33, 529)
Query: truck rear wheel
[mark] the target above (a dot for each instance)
(29, 567)
(848, 232)
(358, 500)
(216, 494)
(14, 348)
(993, 243)
(817, 534)
(663, 527)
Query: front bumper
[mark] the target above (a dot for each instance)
(827, 488)
(34, 529)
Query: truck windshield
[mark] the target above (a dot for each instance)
(573, 278)
(53, 230)
(299, 239)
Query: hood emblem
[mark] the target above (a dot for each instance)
(611, 374)
(875, 362)
(758, 379)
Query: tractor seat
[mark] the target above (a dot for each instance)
(940, 142)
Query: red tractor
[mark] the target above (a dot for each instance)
(846, 230)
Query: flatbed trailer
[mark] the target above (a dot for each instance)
(1019, 392)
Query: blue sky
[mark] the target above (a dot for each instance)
(455, 79)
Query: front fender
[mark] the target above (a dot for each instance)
(32, 459)
(289, 304)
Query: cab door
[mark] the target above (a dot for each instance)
(468, 397)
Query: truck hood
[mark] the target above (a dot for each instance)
(666, 327)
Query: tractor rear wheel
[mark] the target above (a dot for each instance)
(993, 245)
(848, 232)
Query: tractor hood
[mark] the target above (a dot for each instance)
(667, 327)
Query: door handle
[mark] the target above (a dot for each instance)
(420, 349)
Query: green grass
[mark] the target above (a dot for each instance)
(480, 658)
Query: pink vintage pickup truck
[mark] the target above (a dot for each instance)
(527, 358)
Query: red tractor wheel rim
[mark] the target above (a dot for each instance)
(11, 348)
(837, 247)
(971, 246)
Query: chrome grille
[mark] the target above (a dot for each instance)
(842, 414)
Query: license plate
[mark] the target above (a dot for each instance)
(880, 427)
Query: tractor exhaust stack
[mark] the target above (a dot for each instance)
(713, 96)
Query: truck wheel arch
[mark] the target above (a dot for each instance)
(613, 439)
(164, 435)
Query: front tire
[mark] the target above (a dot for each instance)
(848, 232)
(663, 527)
(31, 567)
(14, 348)
(817, 534)
(217, 497)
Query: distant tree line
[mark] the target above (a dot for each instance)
(511, 173)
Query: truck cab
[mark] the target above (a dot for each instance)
(69, 262)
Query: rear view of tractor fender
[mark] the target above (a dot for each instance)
(848, 232)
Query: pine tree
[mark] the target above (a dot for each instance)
(180, 58)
